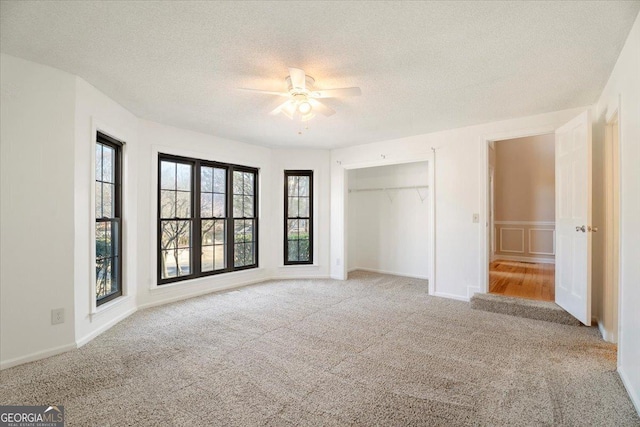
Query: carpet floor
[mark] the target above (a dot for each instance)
(373, 350)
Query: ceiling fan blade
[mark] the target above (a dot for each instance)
(280, 108)
(337, 92)
(298, 78)
(265, 92)
(321, 108)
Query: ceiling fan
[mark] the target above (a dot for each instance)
(303, 97)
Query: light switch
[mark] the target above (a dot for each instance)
(476, 217)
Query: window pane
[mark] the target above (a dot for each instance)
(293, 207)
(303, 206)
(207, 232)
(167, 175)
(303, 229)
(237, 206)
(183, 177)
(248, 183)
(114, 236)
(248, 207)
(175, 234)
(220, 180)
(303, 250)
(206, 179)
(239, 231)
(303, 186)
(292, 229)
(219, 254)
(169, 264)
(206, 205)
(292, 250)
(184, 261)
(183, 204)
(219, 232)
(107, 200)
(167, 204)
(207, 258)
(98, 162)
(238, 255)
(108, 164)
(98, 200)
(238, 179)
(219, 208)
(292, 186)
(101, 249)
(104, 277)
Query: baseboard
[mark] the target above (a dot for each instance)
(451, 296)
(201, 292)
(525, 259)
(606, 335)
(84, 340)
(36, 356)
(472, 290)
(631, 391)
(392, 273)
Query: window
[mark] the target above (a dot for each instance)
(207, 218)
(298, 222)
(108, 218)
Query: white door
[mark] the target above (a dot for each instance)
(573, 217)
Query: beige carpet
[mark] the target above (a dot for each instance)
(374, 350)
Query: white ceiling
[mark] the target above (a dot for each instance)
(422, 67)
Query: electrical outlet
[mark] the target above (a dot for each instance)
(57, 316)
(476, 217)
(337, 261)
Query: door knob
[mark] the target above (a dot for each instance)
(593, 229)
(581, 228)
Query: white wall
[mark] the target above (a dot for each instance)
(623, 88)
(49, 122)
(459, 188)
(389, 231)
(95, 111)
(36, 214)
(318, 161)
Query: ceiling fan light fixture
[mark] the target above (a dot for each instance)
(304, 108)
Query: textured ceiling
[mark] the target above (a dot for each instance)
(422, 67)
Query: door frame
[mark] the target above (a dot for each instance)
(611, 119)
(485, 233)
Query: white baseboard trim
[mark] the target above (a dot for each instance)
(541, 260)
(451, 296)
(472, 290)
(393, 273)
(84, 340)
(632, 392)
(36, 356)
(606, 335)
(201, 292)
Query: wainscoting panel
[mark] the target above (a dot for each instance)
(525, 240)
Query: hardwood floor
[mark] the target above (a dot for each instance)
(522, 280)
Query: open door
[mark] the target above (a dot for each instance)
(573, 217)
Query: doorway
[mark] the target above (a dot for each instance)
(522, 217)
(388, 219)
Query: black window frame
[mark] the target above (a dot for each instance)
(299, 173)
(117, 146)
(196, 218)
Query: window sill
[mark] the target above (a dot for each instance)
(109, 305)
